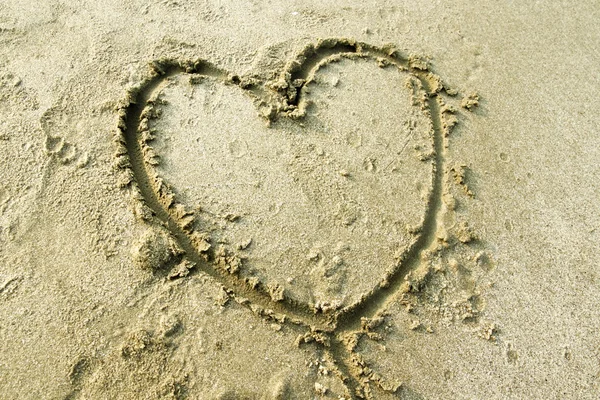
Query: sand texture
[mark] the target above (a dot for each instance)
(309, 200)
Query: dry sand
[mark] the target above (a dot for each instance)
(237, 200)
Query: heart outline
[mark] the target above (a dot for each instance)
(155, 202)
(291, 104)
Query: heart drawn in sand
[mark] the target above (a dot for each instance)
(306, 192)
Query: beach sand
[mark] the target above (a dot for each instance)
(328, 200)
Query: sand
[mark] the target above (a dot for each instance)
(329, 200)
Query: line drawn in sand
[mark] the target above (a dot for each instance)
(182, 248)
